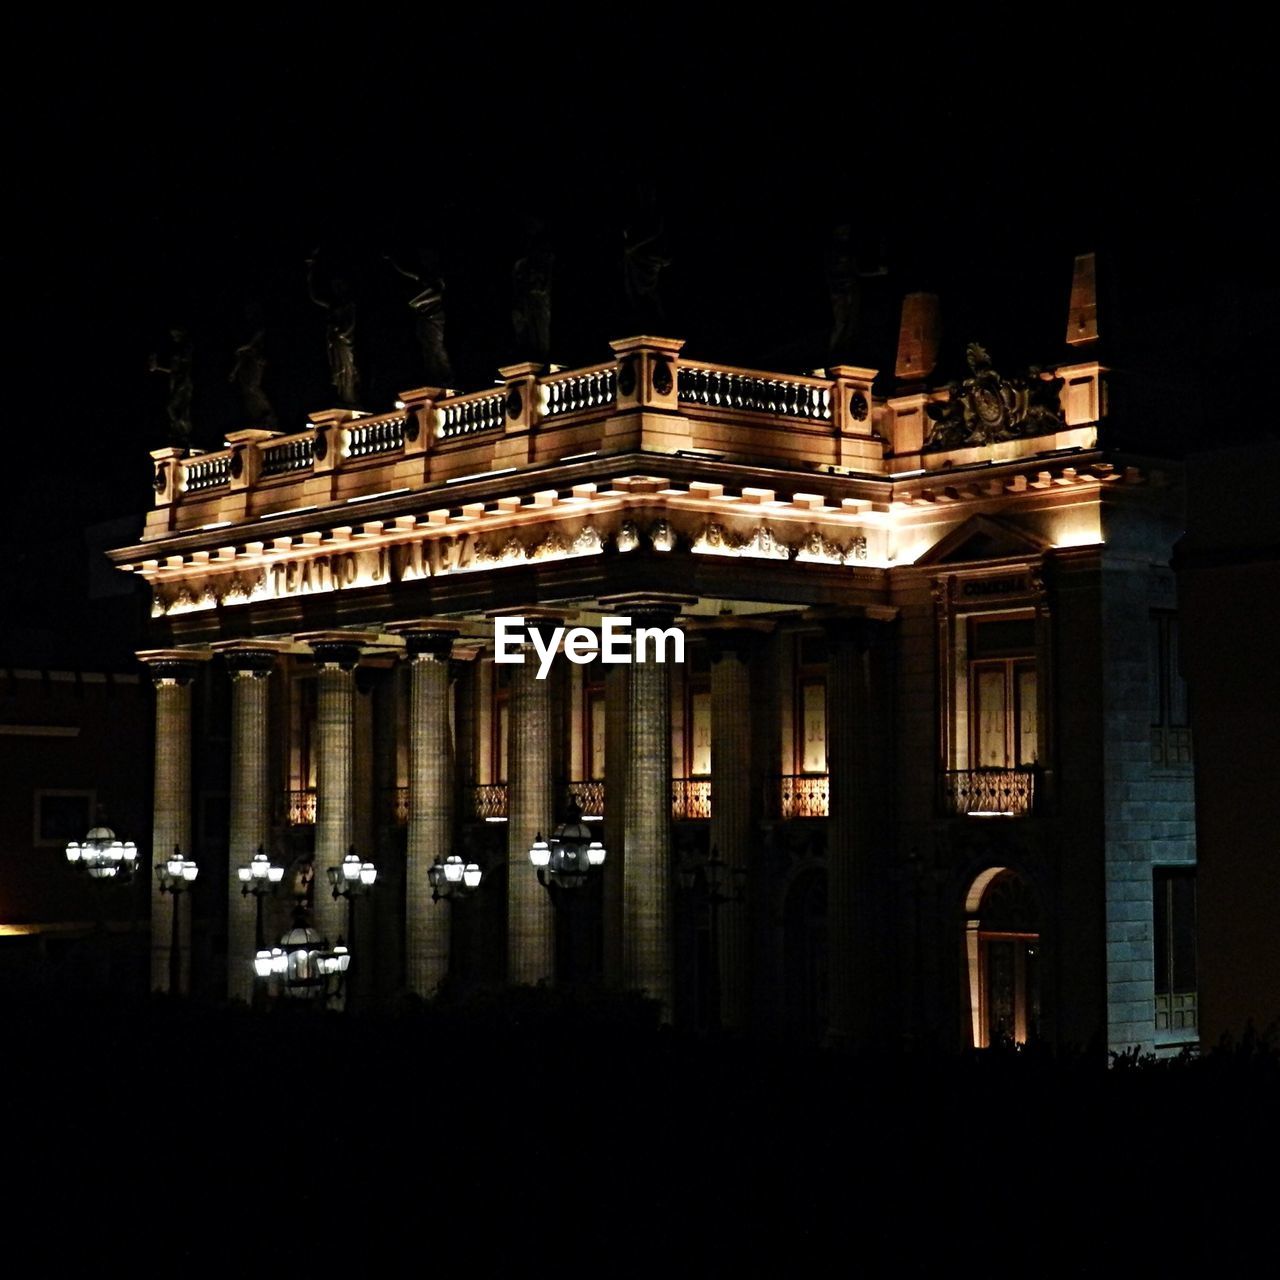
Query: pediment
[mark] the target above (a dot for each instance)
(984, 538)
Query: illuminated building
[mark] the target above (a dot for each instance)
(923, 719)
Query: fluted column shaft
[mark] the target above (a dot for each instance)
(335, 713)
(530, 810)
(171, 821)
(250, 821)
(430, 812)
(646, 874)
(849, 855)
(731, 825)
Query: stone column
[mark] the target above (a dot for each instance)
(731, 816)
(430, 808)
(617, 681)
(172, 673)
(335, 826)
(250, 826)
(851, 856)
(531, 933)
(646, 873)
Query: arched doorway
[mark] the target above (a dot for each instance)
(805, 955)
(1002, 942)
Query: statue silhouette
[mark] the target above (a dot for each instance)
(340, 334)
(247, 370)
(427, 305)
(178, 405)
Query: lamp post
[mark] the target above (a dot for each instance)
(353, 879)
(261, 879)
(176, 876)
(451, 878)
(715, 885)
(105, 860)
(303, 962)
(102, 857)
(570, 855)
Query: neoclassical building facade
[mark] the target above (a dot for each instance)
(922, 720)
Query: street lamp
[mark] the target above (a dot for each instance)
(452, 878)
(353, 879)
(176, 876)
(303, 961)
(570, 855)
(715, 884)
(102, 857)
(261, 879)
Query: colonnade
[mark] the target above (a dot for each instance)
(638, 926)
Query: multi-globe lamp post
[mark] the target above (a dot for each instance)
(714, 883)
(102, 857)
(569, 857)
(176, 876)
(451, 879)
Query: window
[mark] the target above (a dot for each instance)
(1174, 891)
(1170, 721)
(1002, 693)
(61, 816)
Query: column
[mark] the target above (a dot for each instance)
(250, 825)
(646, 874)
(172, 673)
(335, 827)
(731, 817)
(531, 931)
(430, 807)
(851, 855)
(617, 682)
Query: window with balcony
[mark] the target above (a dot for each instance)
(1170, 718)
(996, 725)
(1174, 892)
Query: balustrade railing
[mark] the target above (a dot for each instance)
(467, 415)
(281, 457)
(582, 389)
(980, 793)
(588, 796)
(799, 795)
(690, 798)
(719, 388)
(485, 803)
(378, 435)
(395, 805)
(202, 472)
(300, 807)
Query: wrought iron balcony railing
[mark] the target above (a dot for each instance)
(486, 802)
(588, 795)
(798, 795)
(982, 793)
(300, 807)
(690, 798)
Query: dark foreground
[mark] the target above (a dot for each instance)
(540, 1133)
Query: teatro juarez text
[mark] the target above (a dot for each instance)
(616, 642)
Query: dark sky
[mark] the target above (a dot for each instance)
(170, 171)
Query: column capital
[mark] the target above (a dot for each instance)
(434, 643)
(246, 657)
(648, 606)
(173, 666)
(336, 648)
(427, 637)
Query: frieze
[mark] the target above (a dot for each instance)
(441, 554)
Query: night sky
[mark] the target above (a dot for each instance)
(165, 171)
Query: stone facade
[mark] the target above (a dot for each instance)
(913, 724)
